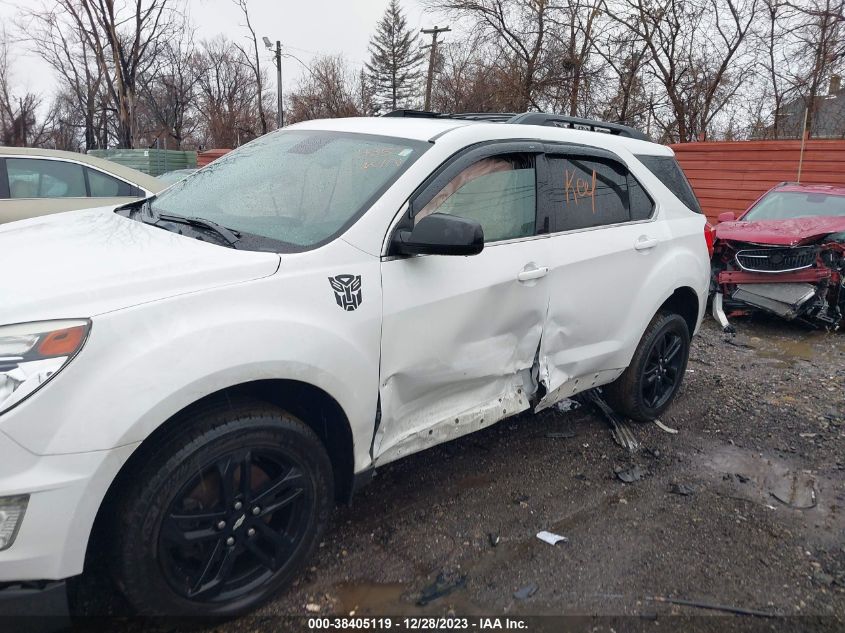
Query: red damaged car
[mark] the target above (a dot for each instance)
(785, 255)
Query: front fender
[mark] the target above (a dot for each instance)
(143, 365)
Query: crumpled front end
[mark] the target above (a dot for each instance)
(802, 282)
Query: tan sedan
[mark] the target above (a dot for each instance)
(40, 181)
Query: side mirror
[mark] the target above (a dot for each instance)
(727, 216)
(440, 234)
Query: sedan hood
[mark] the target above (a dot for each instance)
(84, 263)
(780, 232)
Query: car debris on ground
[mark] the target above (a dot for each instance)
(619, 428)
(681, 489)
(443, 585)
(629, 475)
(551, 538)
(714, 607)
(665, 428)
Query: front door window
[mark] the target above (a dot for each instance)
(496, 192)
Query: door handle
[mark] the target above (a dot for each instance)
(532, 273)
(644, 243)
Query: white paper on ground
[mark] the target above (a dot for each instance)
(551, 539)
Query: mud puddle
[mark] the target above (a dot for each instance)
(801, 346)
(809, 496)
(367, 598)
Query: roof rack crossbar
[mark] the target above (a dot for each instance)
(530, 118)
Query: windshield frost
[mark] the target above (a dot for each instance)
(302, 188)
(783, 205)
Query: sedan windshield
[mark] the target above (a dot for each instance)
(299, 189)
(784, 205)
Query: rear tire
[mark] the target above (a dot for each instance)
(223, 512)
(649, 384)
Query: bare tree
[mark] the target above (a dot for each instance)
(327, 90)
(465, 81)
(253, 59)
(17, 112)
(168, 94)
(227, 96)
(774, 41)
(125, 39)
(694, 54)
(61, 42)
(575, 23)
(822, 41)
(67, 127)
(625, 57)
(519, 31)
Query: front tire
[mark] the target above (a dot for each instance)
(223, 514)
(649, 384)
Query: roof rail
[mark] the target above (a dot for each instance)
(530, 118)
(490, 117)
(575, 123)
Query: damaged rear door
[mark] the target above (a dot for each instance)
(604, 246)
(460, 334)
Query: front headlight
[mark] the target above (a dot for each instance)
(32, 353)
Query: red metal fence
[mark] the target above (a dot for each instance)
(729, 176)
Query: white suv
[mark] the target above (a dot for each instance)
(198, 377)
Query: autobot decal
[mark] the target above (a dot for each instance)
(347, 291)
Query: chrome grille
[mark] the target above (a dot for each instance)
(776, 260)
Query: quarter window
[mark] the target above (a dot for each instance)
(587, 192)
(35, 178)
(497, 192)
(105, 186)
(668, 171)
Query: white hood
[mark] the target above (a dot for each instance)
(84, 263)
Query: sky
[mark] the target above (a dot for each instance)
(305, 28)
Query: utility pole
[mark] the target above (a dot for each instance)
(281, 110)
(432, 58)
(280, 113)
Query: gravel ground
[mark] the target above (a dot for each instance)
(742, 507)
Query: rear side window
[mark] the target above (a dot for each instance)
(668, 171)
(586, 192)
(36, 178)
(105, 186)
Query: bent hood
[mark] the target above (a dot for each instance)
(84, 263)
(780, 232)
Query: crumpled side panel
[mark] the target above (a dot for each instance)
(459, 341)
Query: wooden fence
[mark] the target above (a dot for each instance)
(729, 176)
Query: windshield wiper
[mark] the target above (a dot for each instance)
(230, 236)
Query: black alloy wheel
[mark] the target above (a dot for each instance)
(662, 370)
(652, 379)
(220, 512)
(234, 525)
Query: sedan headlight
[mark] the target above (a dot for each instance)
(32, 353)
